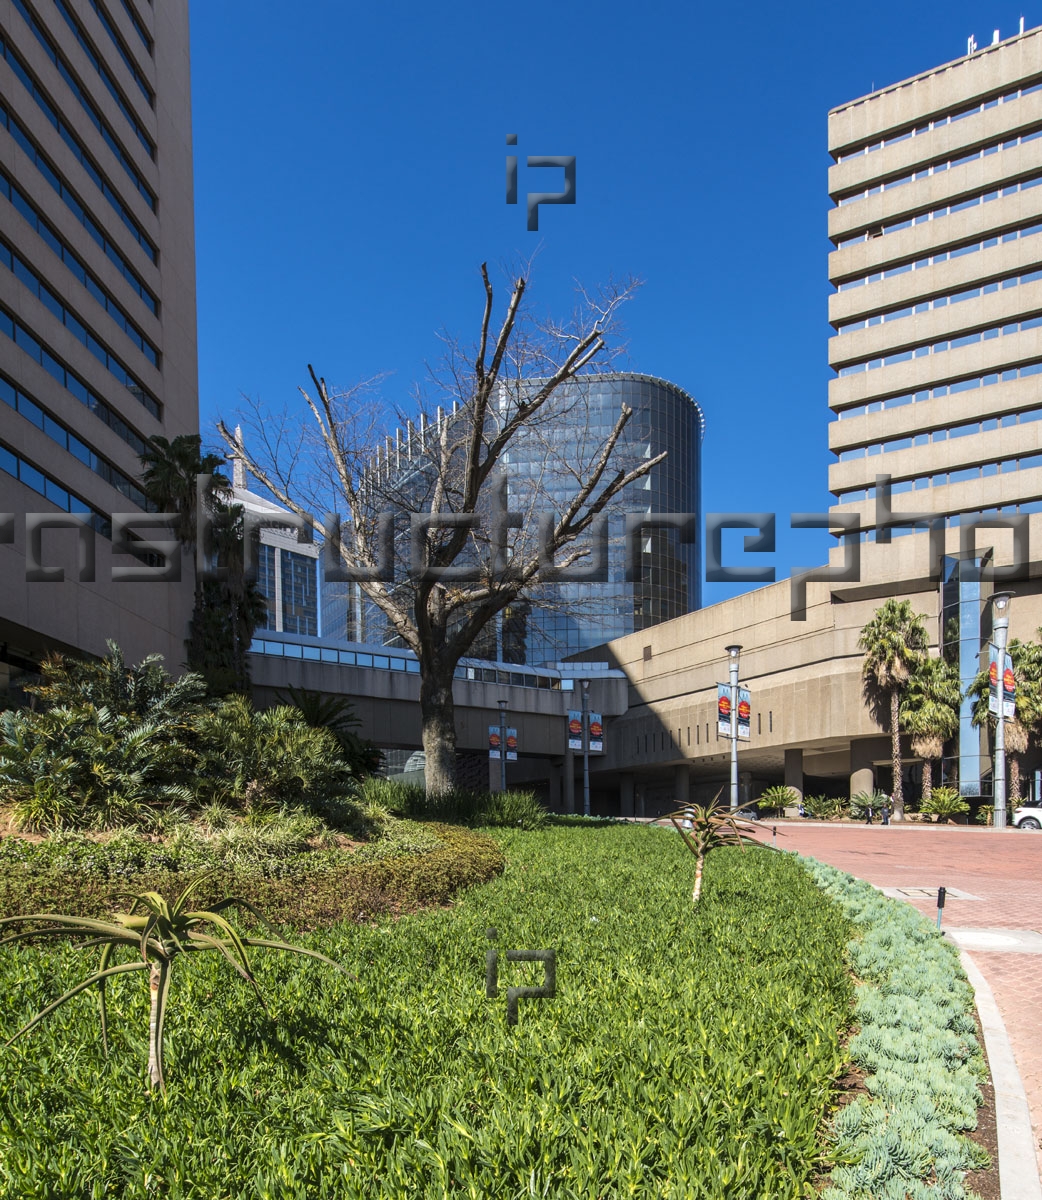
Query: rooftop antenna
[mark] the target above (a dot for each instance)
(995, 38)
(971, 44)
(1021, 24)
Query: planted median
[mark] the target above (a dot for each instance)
(686, 1053)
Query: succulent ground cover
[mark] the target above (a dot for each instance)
(687, 1053)
(916, 1039)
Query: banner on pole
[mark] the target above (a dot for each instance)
(1009, 690)
(723, 709)
(575, 729)
(1009, 685)
(493, 741)
(596, 733)
(511, 745)
(745, 713)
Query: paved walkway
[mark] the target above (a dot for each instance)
(1002, 869)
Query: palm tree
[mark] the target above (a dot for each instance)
(169, 478)
(929, 711)
(894, 643)
(226, 612)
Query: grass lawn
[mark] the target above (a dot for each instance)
(688, 1053)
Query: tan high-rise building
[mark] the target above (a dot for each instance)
(937, 313)
(97, 307)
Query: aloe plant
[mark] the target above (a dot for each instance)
(706, 827)
(159, 931)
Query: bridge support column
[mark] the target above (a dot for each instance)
(626, 794)
(569, 781)
(555, 787)
(745, 787)
(681, 785)
(794, 772)
(862, 774)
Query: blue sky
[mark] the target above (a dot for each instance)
(349, 167)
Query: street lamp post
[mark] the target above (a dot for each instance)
(1000, 602)
(732, 653)
(502, 745)
(586, 747)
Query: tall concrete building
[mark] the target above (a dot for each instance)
(97, 308)
(937, 312)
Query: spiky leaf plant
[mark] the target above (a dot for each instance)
(706, 827)
(159, 931)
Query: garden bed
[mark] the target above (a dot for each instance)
(687, 1053)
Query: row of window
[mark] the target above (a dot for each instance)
(939, 122)
(73, 384)
(944, 389)
(106, 77)
(139, 28)
(130, 64)
(395, 662)
(956, 519)
(962, 475)
(24, 471)
(88, 106)
(967, 339)
(943, 435)
(85, 161)
(13, 127)
(941, 301)
(937, 213)
(26, 275)
(939, 167)
(941, 256)
(17, 399)
(75, 265)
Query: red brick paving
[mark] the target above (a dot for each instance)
(1003, 868)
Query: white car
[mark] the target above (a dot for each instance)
(1028, 817)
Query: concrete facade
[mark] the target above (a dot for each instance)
(938, 234)
(97, 307)
(811, 727)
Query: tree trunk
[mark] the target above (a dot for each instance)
(895, 755)
(155, 1050)
(438, 715)
(700, 862)
(1014, 778)
(927, 779)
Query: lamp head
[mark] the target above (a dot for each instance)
(733, 651)
(1001, 602)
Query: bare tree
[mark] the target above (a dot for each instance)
(441, 581)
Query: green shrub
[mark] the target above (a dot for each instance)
(86, 768)
(268, 759)
(302, 885)
(944, 802)
(466, 807)
(859, 804)
(777, 797)
(824, 808)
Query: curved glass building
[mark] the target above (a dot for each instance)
(659, 576)
(652, 575)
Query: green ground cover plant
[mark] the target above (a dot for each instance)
(688, 1052)
(906, 1139)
